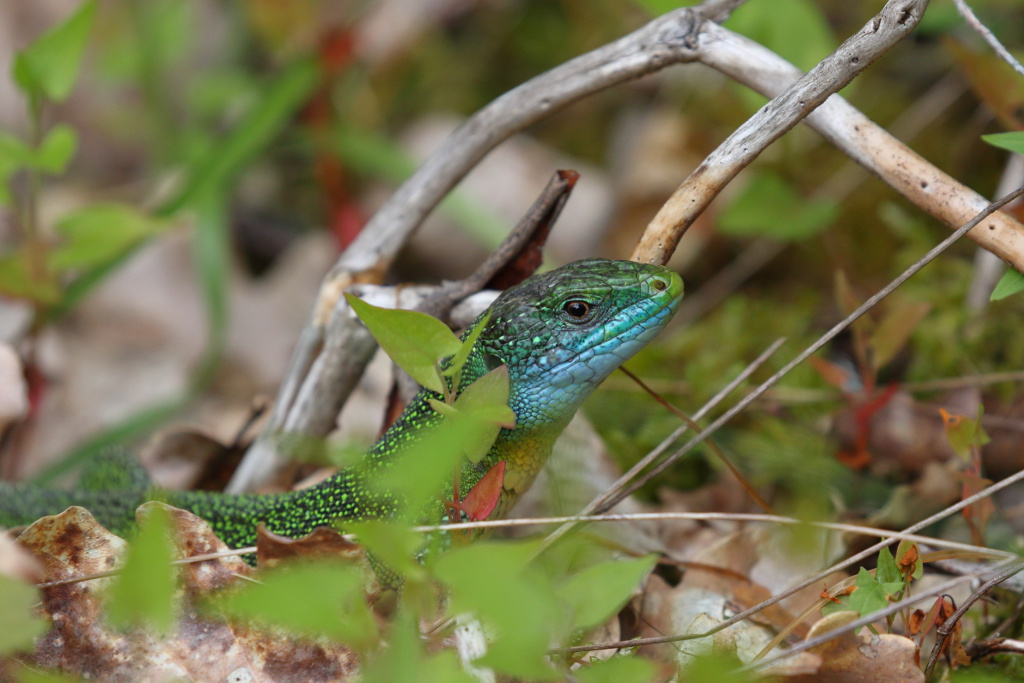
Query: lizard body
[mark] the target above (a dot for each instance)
(559, 334)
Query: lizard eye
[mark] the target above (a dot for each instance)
(577, 309)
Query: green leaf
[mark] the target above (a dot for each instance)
(1013, 142)
(271, 112)
(870, 596)
(14, 154)
(618, 669)
(462, 355)
(14, 151)
(100, 233)
(480, 412)
(420, 470)
(57, 149)
(20, 624)
(795, 29)
(598, 592)
(1011, 283)
(415, 341)
(311, 600)
(768, 206)
(963, 433)
(887, 571)
(17, 280)
(495, 582)
(49, 65)
(395, 544)
(143, 592)
(842, 606)
(404, 660)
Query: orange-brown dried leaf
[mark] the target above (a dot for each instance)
(322, 543)
(907, 562)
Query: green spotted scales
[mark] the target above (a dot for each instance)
(559, 334)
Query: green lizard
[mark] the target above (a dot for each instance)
(560, 334)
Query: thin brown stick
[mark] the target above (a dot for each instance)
(942, 633)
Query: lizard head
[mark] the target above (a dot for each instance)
(561, 333)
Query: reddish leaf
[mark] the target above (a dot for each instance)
(482, 498)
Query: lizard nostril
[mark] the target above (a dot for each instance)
(659, 284)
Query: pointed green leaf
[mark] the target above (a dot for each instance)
(887, 571)
(1008, 285)
(405, 660)
(963, 433)
(496, 582)
(14, 151)
(870, 596)
(49, 65)
(57, 149)
(311, 600)
(460, 357)
(395, 544)
(599, 592)
(1013, 142)
(415, 341)
(143, 592)
(481, 412)
(100, 233)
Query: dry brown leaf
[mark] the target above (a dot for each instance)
(865, 658)
(73, 545)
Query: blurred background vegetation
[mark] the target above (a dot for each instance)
(169, 213)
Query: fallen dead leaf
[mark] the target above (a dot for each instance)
(861, 658)
(73, 545)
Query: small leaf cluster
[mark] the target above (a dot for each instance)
(888, 583)
(471, 419)
(38, 268)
